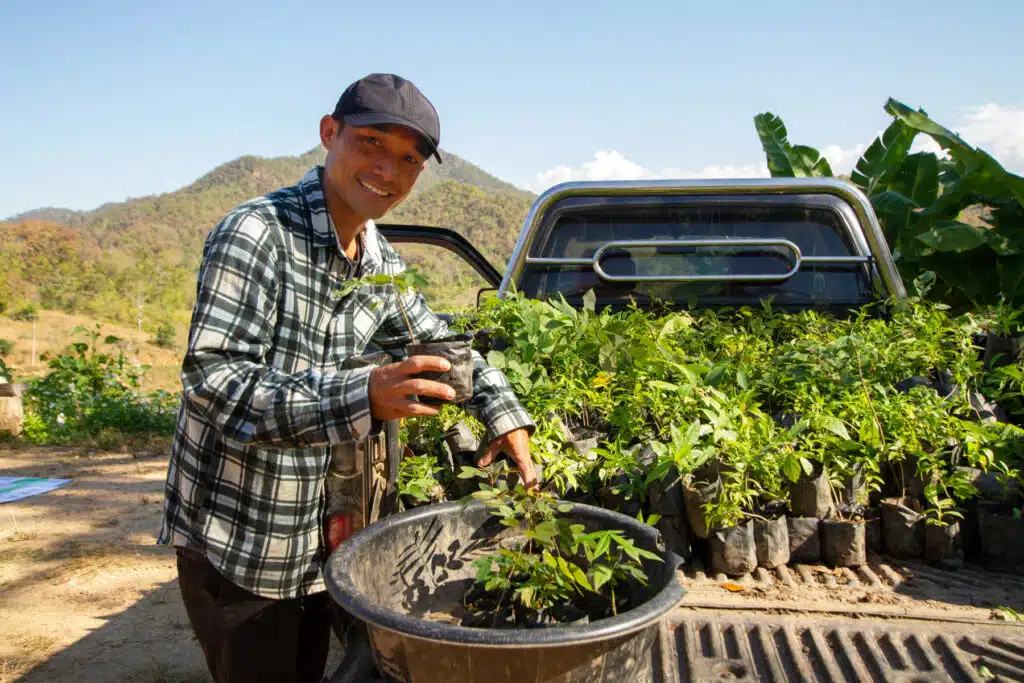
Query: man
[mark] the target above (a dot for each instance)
(265, 399)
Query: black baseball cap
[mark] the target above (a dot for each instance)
(386, 98)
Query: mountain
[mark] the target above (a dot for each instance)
(49, 214)
(137, 260)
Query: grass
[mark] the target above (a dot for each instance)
(31, 650)
(53, 334)
(18, 532)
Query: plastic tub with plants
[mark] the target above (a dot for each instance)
(507, 585)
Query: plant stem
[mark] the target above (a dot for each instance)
(867, 395)
(401, 309)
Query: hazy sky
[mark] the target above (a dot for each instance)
(107, 100)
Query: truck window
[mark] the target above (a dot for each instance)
(753, 238)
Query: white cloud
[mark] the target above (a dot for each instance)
(613, 165)
(996, 129)
(841, 159)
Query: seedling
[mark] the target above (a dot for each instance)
(546, 572)
(407, 281)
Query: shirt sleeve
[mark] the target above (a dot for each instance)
(224, 371)
(493, 397)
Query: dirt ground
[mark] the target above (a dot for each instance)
(85, 592)
(87, 595)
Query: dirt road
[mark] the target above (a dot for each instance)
(85, 593)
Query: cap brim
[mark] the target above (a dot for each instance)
(375, 119)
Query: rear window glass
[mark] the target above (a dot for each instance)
(756, 240)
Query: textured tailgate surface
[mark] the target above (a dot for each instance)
(760, 647)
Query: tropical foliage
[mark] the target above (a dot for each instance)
(958, 214)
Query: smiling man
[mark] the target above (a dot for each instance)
(265, 398)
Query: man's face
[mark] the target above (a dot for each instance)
(370, 169)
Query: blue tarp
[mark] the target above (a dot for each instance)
(16, 488)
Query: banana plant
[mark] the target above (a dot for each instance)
(958, 213)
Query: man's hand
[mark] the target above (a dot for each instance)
(517, 445)
(392, 385)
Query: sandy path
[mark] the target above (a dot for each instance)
(85, 593)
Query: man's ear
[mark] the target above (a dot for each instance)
(329, 129)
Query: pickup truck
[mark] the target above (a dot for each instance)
(805, 243)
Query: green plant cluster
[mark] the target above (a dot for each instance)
(560, 560)
(959, 214)
(89, 394)
(760, 396)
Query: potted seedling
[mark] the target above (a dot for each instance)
(732, 548)
(943, 543)
(694, 461)
(457, 348)
(1001, 522)
(771, 532)
(1004, 344)
(843, 534)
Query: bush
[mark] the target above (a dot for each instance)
(6, 346)
(165, 335)
(27, 313)
(86, 393)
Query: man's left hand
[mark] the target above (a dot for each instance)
(517, 445)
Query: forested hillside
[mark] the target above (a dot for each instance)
(135, 262)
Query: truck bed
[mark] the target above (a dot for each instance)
(887, 621)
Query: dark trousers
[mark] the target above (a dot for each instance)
(250, 638)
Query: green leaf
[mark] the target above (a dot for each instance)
(111, 339)
(742, 380)
(526, 595)
(580, 578)
(810, 162)
(546, 531)
(772, 132)
(602, 575)
(791, 467)
(590, 300)
(973, 160)
(807, 465)
(496, 359)
(917, 178)
(880, 160)
(954, 236)
(604, 543)
(834, 425)
(674, 325)
(891, 202)
(664, 386)
(785, 160)
(716, 373)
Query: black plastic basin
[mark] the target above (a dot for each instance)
(394, 571)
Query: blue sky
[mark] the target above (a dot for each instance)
(107, 100)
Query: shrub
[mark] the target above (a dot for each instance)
(165, 335)
(87, 392)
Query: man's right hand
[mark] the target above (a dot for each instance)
(393, 384)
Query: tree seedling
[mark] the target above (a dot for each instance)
(559, 562)
(407, 281)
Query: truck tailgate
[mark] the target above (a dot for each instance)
(887, 621)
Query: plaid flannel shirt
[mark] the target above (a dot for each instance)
(263, 397)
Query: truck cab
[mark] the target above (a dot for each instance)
(804, 243)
